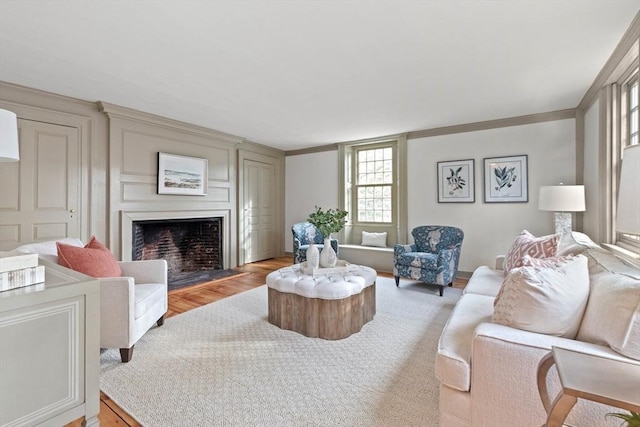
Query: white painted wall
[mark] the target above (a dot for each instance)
(591, 219)
(489, 228)
(311, 179)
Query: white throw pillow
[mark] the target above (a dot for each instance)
(548, 300)
(612, 316)
(374, 239)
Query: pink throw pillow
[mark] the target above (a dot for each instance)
(528, 244)
(95, 259)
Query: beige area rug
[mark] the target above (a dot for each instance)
(224, 364)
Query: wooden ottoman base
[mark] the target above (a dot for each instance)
(322, 318)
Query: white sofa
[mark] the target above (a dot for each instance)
(487, 371)
(129, 305)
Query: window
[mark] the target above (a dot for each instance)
(629, 136)
(373, 188)
(374, 181)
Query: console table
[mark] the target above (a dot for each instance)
(50, 357)
(609, 381)
(330, 306)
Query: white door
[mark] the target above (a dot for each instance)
(40, 194)
(259, 211)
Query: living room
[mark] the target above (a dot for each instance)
(109, 144)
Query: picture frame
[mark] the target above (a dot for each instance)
(506, 179)
(182, 175)
(456, 181)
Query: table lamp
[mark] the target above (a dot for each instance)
(8, 136)
(562, 200)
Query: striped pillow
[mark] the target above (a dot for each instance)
(528, 244)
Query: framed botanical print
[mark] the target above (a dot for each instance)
(456, 181)
(506, 179)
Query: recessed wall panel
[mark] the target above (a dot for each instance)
(51, 172)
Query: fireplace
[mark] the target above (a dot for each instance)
(191, 247)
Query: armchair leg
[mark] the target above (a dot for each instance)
(160, 321)
(397, 280)
(441, 289)
(126, 354)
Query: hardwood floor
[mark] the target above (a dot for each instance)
(182, 300)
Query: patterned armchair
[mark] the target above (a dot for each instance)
(433, 258)
(304, 235)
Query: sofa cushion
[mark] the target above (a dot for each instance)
(147, 297)
(612, 316)
(48, 250)
(94, 259)
(575, 243)
(453, 361)
(546, 300)
(484, 281)
(527, 244)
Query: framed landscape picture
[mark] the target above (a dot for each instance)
(506, 179)
(182, 175)
(456, 181)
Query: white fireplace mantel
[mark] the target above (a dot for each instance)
(128, 217)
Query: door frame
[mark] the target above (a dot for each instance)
(278, 165)
(83, 125)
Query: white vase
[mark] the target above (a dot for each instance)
(313, 257)
(328, 257)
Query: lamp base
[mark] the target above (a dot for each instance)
(562, 222)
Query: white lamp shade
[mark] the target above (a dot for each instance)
(562, 198)
(8, 136)
(628, 213)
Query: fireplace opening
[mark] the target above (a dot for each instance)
(191, 247)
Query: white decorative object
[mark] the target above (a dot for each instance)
(313, 257)
(562, 199)
(628, 216)
(341, 267)
(9, 151)
(328, 257)
(374, 239)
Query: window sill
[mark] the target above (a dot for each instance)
(625, 254)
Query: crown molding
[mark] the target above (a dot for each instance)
(623, 55)
(493, 124)
(114, 111)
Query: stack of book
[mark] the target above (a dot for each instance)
(18, 270)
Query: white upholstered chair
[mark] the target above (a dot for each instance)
(129, 305)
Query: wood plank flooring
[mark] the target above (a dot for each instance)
(182, 300)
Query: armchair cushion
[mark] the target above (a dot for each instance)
(94, 259)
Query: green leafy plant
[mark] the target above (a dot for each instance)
(631, 420)
(329, 221)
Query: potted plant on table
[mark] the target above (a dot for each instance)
(327, 222)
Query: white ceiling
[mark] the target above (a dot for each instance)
(295, 74)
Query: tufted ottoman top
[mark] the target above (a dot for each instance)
(326, 286)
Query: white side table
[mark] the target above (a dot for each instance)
(609, 381)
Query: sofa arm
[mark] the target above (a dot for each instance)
(500, 260)
(117, 300)
(504, 387)
(147, 271)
